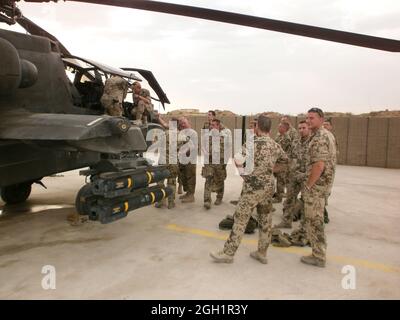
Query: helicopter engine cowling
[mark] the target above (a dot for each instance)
(14, 72)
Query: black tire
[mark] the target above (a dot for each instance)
(16, 193)
(81, 200)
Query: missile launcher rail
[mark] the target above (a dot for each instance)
(117, 187)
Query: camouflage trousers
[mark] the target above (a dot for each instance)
(187, 174)
(294, 187)
(111, 106)
(215, 175)
(281, 182)
(314, 204)
(141, 111)
(171, 182)
(250, 199)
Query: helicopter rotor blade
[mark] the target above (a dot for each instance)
(344, 37)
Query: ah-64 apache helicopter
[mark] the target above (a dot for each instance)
(50, 124)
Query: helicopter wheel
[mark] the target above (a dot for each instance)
(16, 193)
(81, 201)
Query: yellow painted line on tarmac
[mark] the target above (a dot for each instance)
(294, 250)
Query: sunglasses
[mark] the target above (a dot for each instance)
(317, 110)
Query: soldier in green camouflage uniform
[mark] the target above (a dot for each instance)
(320, 175)
(187, 171)
(297, 175)
(214, 173)
(115, 90)
(283, 139)
(173, 169)
(257, 193)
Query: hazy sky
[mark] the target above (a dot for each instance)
(202, 64)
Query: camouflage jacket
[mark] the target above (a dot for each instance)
(284, 141)
(336, 144)
(301, 155)
(293, 135)
(144, 93)
(186, 143)
(322, 148)
(165, 155)
(116, 88)
(266, 154)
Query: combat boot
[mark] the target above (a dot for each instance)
(171, 204)
(283, 225)
(221, 257)
(280, 239)
(313, 261)
(183, 196)
(180, 189)
(189, 198)
(218, 201)
(259, 257)
(207, 205)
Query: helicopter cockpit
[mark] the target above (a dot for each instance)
(87, 81)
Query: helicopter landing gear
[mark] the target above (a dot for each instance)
(16, 193)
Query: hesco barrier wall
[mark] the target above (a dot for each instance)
(373, 142)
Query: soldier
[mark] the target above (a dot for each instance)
(115, 89)
(292, 132)
(320, 175)
(283, 139)
(187, 171)
(257, 193)
(211, 115)
(214, 173)
(173, 168)
(297, 175)
(141, 102)
(328, 126)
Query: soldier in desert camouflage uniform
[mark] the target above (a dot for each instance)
(257, 193)
(115, 89)
(211, 115)
(142, 102)
(283, 139)
(320, 175)
(297, 175)
(214, 173)
(328, 126)
(292, 132)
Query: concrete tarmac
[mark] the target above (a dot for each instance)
(164, 254)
